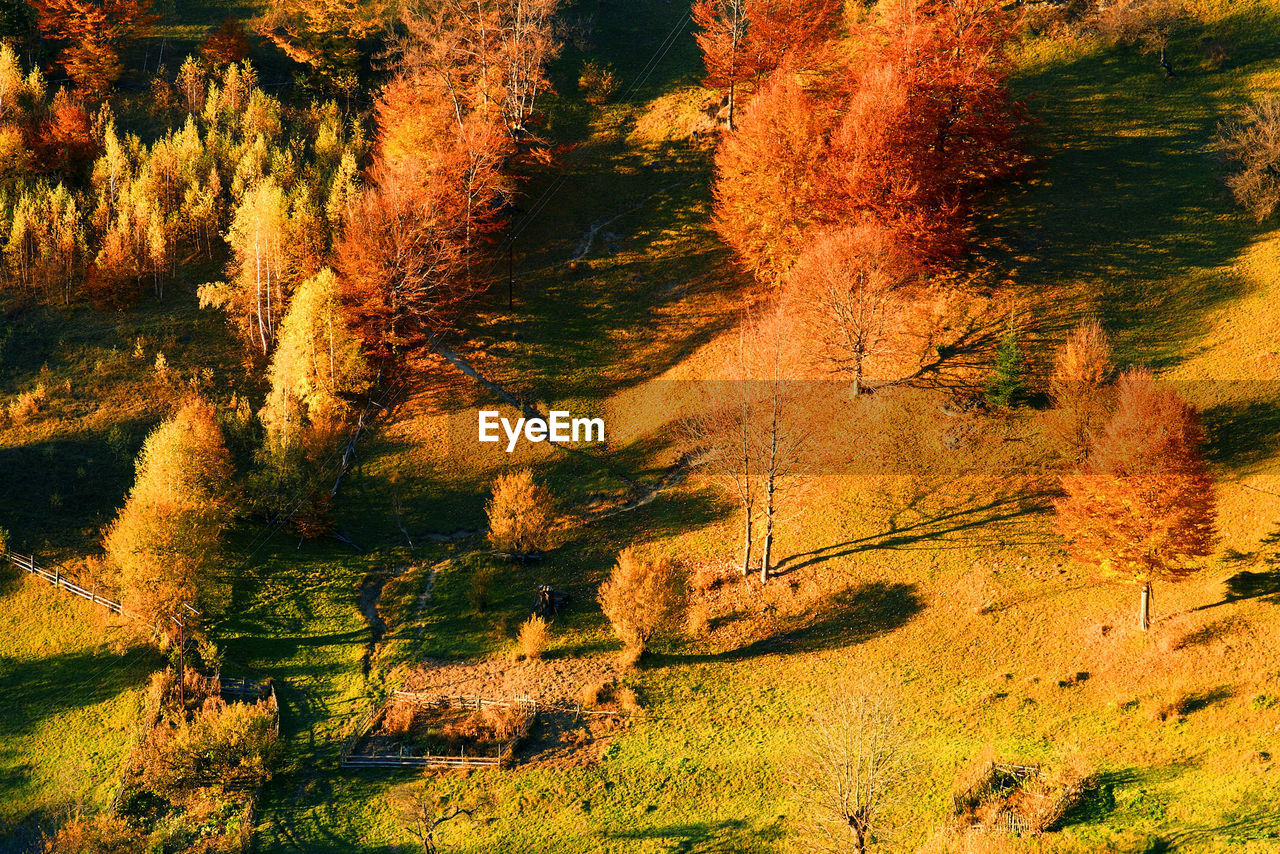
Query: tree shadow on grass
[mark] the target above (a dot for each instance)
(1100, 802)
(1129, 209)
(34, 691)
(731, 836)
(1200, 700)
(1254, 585)
(1242, 434)
(65, 484)
(949, 526)
(852, 616)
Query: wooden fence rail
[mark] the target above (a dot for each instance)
(392, 761)
(460, 702)
(348, 758)
(27, 563)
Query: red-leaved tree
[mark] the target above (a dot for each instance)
(409, 254)
(1142, 504)
(92, 33)
(904, 133)
(743, 41)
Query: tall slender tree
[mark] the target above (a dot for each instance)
(164, 542)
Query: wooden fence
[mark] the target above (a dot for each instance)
(458, 702)
(350, 759)
(27, 563)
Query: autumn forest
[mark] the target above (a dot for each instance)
(597, 426)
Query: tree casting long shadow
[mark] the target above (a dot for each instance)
(933, 527)
(852, 616)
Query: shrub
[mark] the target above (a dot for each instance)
(532, 640)
(626, 698)
(227, 744)
(399, 719)
(27, 404)
(102, 834)
(506, 723)
(597, 82)
(521, 514)
(480, 591)
(1253, 142)
(1080, 372)
(641, 598)
(591, 694)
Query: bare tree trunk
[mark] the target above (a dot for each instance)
(746, 546)
(1144, 607)
(770, 512)
(768, 545)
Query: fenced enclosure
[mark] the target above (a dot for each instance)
(233, 690)
(1041, 802)
(56, 577)
(351, 758)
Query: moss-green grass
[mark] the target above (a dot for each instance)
(964, 605)
(70, 705)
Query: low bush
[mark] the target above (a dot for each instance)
(226, 744)
(521, 514)
(532, 640)
(642, 598)
(597, 81)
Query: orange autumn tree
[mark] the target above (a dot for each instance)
(408, 256)
(937, 72)
(1077, 389)
(1142, 505)
(915, 123)
(855, 290)
(488, 57)
(769, 188)
(743, 41)
(92, 33)
(165, 540)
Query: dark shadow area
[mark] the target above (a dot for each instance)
(1129, 210)
(70, 485)
(37, 690)
(1242, 434)
(1250, 585)
(1201, 700)
(853, 616)
(705, 837)
(1254, 585)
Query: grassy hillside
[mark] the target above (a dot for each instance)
(954, 594)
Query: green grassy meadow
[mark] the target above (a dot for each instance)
(956, 595)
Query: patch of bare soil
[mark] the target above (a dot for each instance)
(580, 706)
(549, 681)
